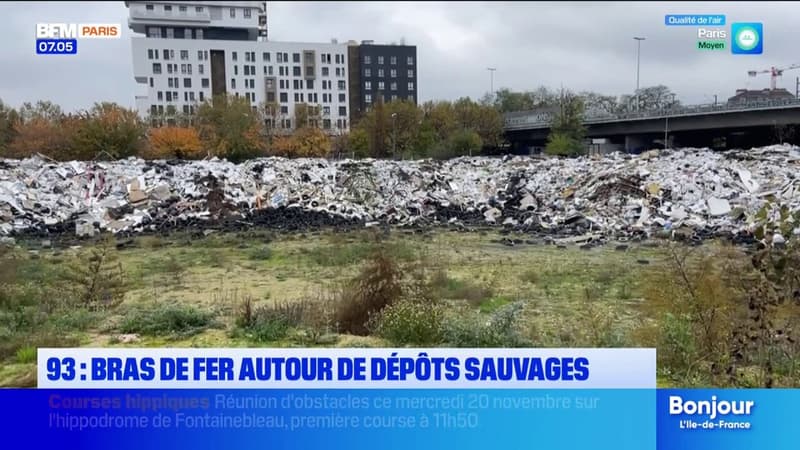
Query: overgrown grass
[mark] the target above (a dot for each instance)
(166, 319)
(445, 287)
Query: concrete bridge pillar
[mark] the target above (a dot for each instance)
(636, 143)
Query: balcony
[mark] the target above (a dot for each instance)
(175, 16)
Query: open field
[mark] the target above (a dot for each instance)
(443, 289)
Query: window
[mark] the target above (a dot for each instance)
(324, 71)
(270, 96)
(380, 60)
(150, 53)
(265, 56)
(198, 9)
(167, 8)
(182, 8)
(284, 97)
(151, 81)
(296, 71)
(367, 72)
(166, 54)
(342, 111)
(326, 110)
(233, 13)
(204, 82)
(200, 69)
(410, 73)
(161, 96)
(393, 60)
(156, 68)
(187, 82)
(380, 73)
(236, 70)
(247, 13)
(148, 7)
(184, 55)
(339, 72)
(368, 85)
(191, 96)
(367, 60)
(183, 68)
(169, 68)
(342, 85)
(393, 86)
(153, 109)
(381, 86)
(393, 73)
(247, 56)
(233, 83)
(309, 71)
(296, 97)
(309, 84)
(342, 98)
(185, 96)
(247, 70)
(205, 55)
(153, 32)
(410, 61)
(199, 35)
(201, 95)
(297, 84)
(410, 85)
(234, 56)
(170, 83)
(169, 96)
(170, 33)
(368, 98)
(296, 57)
(280, 57)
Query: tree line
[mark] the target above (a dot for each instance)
(230, 127)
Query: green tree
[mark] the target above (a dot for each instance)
(567, 130)
(109, 130)
(230, 128)
(8, 118)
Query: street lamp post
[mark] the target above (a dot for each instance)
(638, 53)
(491, 80)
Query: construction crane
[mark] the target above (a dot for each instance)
(775, 72)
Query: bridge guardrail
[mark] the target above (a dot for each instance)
(519, 119)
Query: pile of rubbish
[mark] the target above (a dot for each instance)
(695, 191)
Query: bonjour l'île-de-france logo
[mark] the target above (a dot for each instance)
(747, 38)
(711, 414)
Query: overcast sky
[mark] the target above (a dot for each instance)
(582, 46)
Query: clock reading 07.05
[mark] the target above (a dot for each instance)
(56, 46)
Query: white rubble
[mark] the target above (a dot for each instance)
(735, 191)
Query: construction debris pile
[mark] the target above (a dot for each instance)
(695, 191)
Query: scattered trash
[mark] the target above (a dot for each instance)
(690, 193)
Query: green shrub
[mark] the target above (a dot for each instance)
(262, 253)
(166, 319)
(474, 329)
(269, 322)
(26, 355)
(445, 287)
(410, 322)
(78, 319)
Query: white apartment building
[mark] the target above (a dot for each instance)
(190, 51)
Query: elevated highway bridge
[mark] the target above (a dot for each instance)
(715, 126)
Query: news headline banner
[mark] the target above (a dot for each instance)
(273, 368)
(351, 419)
